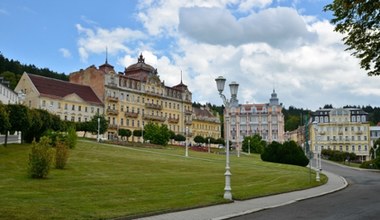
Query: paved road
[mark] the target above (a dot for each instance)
(360, 200)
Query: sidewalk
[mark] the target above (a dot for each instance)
(238, 208)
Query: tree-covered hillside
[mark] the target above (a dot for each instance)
(12, 70)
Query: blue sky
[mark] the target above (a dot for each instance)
(286, 45)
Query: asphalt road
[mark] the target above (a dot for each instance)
(360, 200)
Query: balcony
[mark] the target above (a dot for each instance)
(173, 120)
(112, 99)
(188, 112)
(131, 114)
(188, 122)
(153, 94)
(154, 118)
(359, 132)
(112, 112)
(112, 126)
(153, 106)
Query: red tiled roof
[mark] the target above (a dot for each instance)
(202, 112)
(59, 89)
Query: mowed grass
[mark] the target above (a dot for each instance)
(104, 181)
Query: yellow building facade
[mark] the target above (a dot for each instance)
(137, 96)
(342, 129)
(71, 102)
(206, 123)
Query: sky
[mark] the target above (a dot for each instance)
(284, 45)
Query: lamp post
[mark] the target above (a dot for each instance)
(249, 146)
(209, 143)
(374, 151)
(98, 129)
(220, 82)
(318, 159)
(186, 146)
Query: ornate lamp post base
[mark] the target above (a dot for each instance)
(227, 188)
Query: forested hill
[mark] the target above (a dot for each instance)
(12, 70)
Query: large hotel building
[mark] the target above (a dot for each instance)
(137, 96)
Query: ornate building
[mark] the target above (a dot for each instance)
(266, 120)
(343, 129)
(137, 96)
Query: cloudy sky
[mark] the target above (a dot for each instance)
(286, 45)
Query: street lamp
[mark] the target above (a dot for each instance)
(209, 143)
(186, 146)
(318, 159)
(220, 82)
(249, 146)
(374, 151)
(98, 128)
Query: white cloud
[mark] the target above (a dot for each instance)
(96, 40)
(279, 27)
(65, 52)
(299, 56)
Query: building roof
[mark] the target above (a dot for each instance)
(59, 89)
(202, 112)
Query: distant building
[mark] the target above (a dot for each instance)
(342, 129)
(265, 120)
(205, 123)
(297, 135)
(71, 102)
(7, 95)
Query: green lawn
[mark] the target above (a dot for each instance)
(102, 181)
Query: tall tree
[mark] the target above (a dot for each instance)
(18, 118)
(4, 120)
(359, 21)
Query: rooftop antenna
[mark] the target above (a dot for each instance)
(106, 55)
(181, 77)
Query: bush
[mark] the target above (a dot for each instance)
(40, 159)
(338, 156)
(71, 138)
(287, 153)
(61, 155)
(372, 164)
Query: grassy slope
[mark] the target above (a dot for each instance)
(101, 182)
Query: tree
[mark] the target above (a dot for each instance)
(125, 133)
(18, 118)
(288, 153)
(199, 139)
(256, 143)
(157, 134)
(179, 138)
(4, 120)
(359, 21)
(137, 133)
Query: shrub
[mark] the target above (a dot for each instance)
(61, 155)
(71, 138)
(372, 164)
(338, 156)
(40, 158)
(288, 153)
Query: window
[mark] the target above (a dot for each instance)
(73, 108)
(43, 103)
(79, 108)
(85, 109)
(59, 105)
(66, 106)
